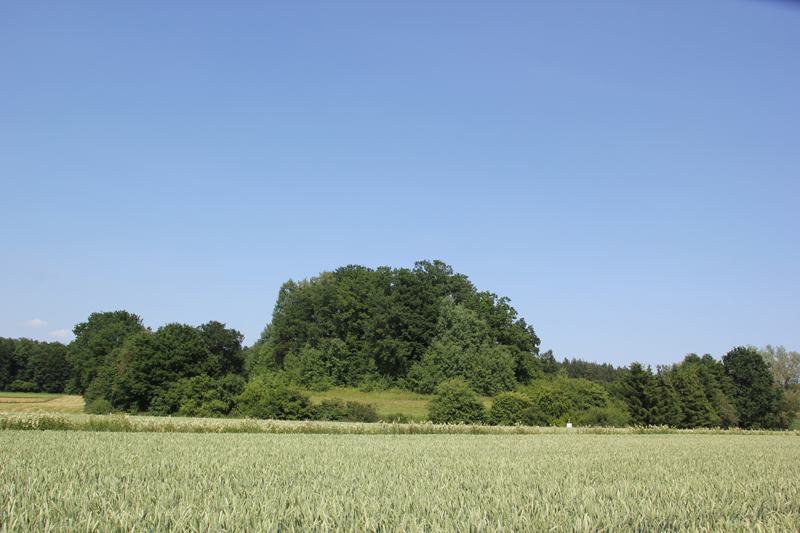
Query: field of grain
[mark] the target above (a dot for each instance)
(87, 481)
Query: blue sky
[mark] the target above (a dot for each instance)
(628, 173)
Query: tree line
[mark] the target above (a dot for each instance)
(425, 329)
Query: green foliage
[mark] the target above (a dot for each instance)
(207, 397)
(98, 407)
(23, 386)
(557, 399)
(549, 404)
(785, 365)
(338, 410)
(357, 324)
(637, 389)
(613, 417)
(464, 348)
(455, 402)
(756, 398)
(94, 342)
(361, 412)
(258, 401)
(533, 416)
(32, 366)
(309, 368)
(8, 363)
(603, 373)
(330, 410)
(225, 347)
(508, 408)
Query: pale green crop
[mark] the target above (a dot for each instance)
(105, 482)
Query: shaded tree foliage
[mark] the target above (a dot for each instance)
(31, 366)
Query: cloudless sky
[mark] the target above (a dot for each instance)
(628, 173)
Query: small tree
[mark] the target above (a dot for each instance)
(454, 403)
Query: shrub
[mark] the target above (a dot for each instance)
(335, 409)
(454, 403)
(23, 386)
(610, 417)
(508, 408)
(98, 407)
(532, 416)
(207, 397)
(258, 401)
(361, 412)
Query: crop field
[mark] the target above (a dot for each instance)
(129, 481)
(27, 402)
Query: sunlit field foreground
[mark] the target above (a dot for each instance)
(127, 481)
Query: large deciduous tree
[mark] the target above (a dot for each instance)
(785, 365)
(94, 341)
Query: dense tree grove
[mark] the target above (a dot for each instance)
(408, 328)
(32, 366)
(427, 330)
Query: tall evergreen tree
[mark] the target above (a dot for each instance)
(637, 388)
(755, 396)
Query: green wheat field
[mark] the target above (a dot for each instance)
(109, 481)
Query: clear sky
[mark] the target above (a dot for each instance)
(628, 173)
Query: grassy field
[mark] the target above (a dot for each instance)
(565, 481)
(29, 402)
(387, 403)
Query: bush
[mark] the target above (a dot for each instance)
(333, 410)
(455, 403)
(337, 410)
(532, 416)
(258, 401)
(508, 408)
(207, 397)
(361, 412)
(98, 407)
(23, 386)
(609, 417)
